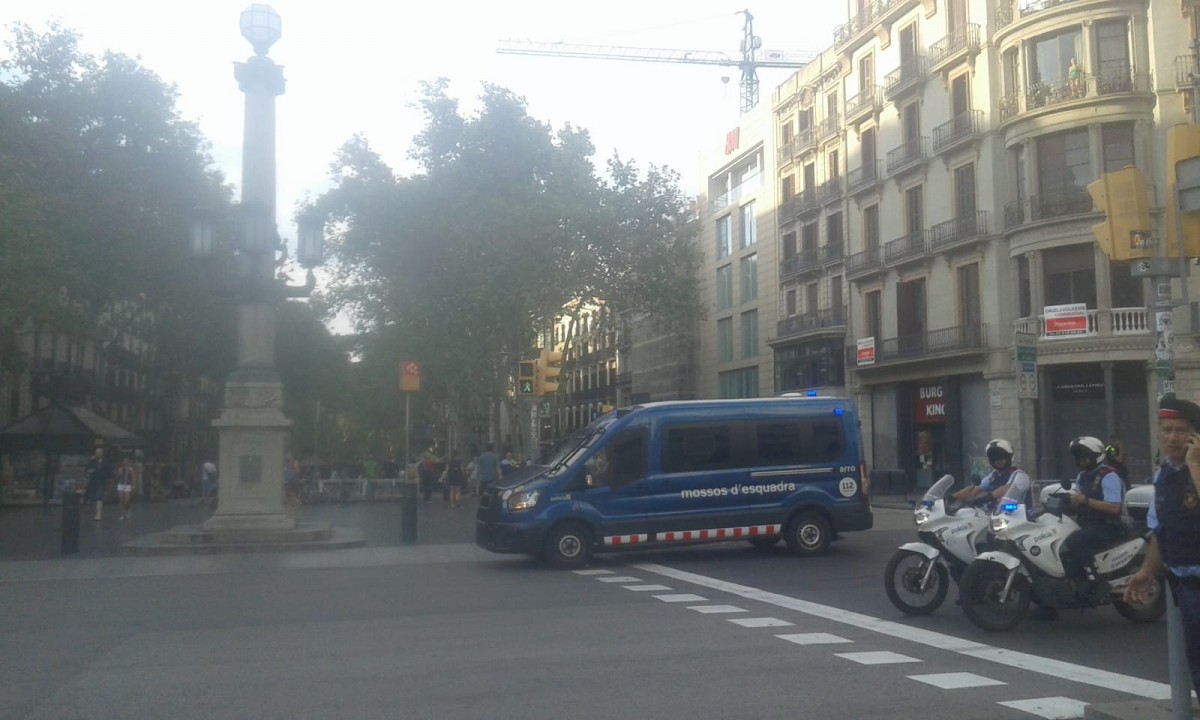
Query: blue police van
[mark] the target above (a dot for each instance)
(659, 474)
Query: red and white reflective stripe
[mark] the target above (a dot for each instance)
(719, 533)
(626, 539)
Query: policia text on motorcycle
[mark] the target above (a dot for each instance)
(1174, 518)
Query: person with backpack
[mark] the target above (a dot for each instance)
(1096, 496)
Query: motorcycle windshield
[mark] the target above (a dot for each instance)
(938, 490)
(1018, 489)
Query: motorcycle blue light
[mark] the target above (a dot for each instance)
(1009, 507)
(837, 411)
(810, 393)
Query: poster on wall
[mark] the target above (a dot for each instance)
(1066, 320)
(866, 351)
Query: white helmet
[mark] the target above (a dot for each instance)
(999, 449)
(1086, 446)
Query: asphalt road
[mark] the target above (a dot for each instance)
(445, 630)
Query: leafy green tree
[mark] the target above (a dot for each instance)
(461, 265)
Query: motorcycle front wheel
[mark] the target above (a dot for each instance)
(1148, 611)
(902, 580)
(980, 590)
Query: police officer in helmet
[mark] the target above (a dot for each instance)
(1005, 480)
(1096, 496)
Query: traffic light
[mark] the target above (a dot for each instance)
(548, 370)
(1183, 143)
(1126, 232)
(526, 377)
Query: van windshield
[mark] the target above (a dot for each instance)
(569, 452)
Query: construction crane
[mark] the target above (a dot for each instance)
(753, 56)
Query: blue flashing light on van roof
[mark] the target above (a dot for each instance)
(811, 393)
(838, 411)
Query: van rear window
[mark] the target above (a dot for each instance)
(797, 442)
(694, 448)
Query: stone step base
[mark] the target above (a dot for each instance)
(194, 540)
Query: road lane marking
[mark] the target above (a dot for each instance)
(619, 579)
(646, 588)
(1058, 669)
(813, 638)
(878, 657)
(1051, 708)
(593, 572)
(717, 609)
(683, 597)
(956, 680)
(760, 622)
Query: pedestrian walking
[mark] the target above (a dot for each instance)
(1174, 519)
(487, 468)
(427, 474)
(125, 480)
(98, 472)
(456, 479)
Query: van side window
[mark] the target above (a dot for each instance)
(797, 442)
(694, 448)
(627, 458)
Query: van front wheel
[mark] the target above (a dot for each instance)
(568, 546)
(809, 534)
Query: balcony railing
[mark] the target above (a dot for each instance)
(864, 20)
(830, 191)
(1003, 16)
(799, 263)
(832, 252)
(911, 73)
(788, 209)
(961, 41)
(908, 154)
(1047, 206)
(959, 129)
(864, 177)
(958, 230)
(1121, 321)
(906, 247)
(969, 338)
(807, 201)
(1036, 7)
(1042, 95)
(1186, 72)
(865, 261)
(829, 127)
(867, 101)
(834, 317)
(801, 141)
(1059, 203)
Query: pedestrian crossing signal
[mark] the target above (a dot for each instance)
(525, 377)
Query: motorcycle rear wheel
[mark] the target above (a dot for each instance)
(1145, 612)
(902, 580)
(980, 591)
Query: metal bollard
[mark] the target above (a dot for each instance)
(70, 522)
(408, 512)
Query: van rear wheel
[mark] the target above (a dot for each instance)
(568, 546)
(808, 534)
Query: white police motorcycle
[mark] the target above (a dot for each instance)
(1026, 566)
(918, 575)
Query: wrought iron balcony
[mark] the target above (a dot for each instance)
(1036, 7)
(1186, 72)
(861, 263)
(864, 177)
(829, 127)
(807, 201)
(906, 155)
(906, 247)
(801, 262)
(1014, 214)
(1111, 81)
(957, 231)
(959, 129)
(909, 76)
(961, 42)
(1003, 16)
(867, 102)
(832, 252)
(830, 191)
(957, 340)
(1059, 203)
(797, 325)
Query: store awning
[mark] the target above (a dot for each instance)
(62, 429)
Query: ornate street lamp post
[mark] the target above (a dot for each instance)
(252, 428)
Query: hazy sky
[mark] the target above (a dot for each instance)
(354, 66)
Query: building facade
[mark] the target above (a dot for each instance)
(929, 176)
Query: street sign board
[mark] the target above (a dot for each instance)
(1066, 320)
(410, 376)
(1026, 366)
(866, 351)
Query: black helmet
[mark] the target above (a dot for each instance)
(999, 449)
(1087, 449)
